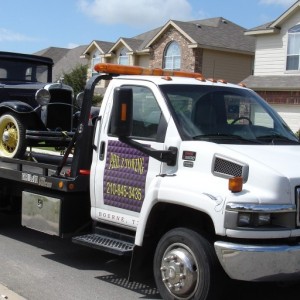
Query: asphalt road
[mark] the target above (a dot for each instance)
(40, 267)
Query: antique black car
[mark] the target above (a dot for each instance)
(30, 101)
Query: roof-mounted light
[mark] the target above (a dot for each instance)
(136, 70)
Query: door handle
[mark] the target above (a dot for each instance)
(102, 150)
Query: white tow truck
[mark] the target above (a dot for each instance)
(194, 177)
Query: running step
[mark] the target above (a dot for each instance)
(105, 243)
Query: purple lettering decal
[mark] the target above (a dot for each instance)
(125, 176)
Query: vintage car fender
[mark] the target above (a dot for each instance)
(17, 106)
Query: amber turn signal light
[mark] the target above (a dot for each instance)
(235, 184)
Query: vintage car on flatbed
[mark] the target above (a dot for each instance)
(31, 103)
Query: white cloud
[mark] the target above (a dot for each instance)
(136, 13)
(285, 3)
(7, 35)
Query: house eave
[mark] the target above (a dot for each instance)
(195, 46)
(263, 31)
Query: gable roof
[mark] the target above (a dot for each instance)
(55, 53)
(146, 37)
(64, 59)
(102, 46)
(130, 43)
(215, 33)
(70, 61)
(274, 26)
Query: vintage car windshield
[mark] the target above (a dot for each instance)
(225, 115)
(23, 71)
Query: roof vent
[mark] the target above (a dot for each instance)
(198, 25)
(224, 21)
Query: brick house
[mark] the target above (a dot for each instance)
(277, 64)
(214, 47)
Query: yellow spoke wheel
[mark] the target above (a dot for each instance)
(12, 136)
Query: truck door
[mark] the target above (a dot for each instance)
(122, 174)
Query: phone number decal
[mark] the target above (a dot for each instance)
(125, 191)
(124, 176)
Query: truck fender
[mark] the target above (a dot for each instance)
(17, 106)
(159, 189)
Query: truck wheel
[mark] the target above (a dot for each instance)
(12, 136)
(185, 266)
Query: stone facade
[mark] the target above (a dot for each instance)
(191, 60)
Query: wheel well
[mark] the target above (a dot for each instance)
(164, 217)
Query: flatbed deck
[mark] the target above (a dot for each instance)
(41, 169)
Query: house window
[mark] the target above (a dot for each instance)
(123, 57)
(95, 60)
(172, 57)
(293, 51)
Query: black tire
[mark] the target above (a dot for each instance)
(12, 136)
(185, 266)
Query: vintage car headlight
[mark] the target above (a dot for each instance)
(42, 97)
(79, 99)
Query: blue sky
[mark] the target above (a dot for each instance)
(32, 25)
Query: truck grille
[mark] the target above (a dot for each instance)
(60, 110)
(298, 205)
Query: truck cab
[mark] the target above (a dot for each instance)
(204, 165)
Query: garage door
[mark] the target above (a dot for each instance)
(290, 114)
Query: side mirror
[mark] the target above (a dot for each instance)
(121, 120)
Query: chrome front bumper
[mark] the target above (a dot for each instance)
(259, 263)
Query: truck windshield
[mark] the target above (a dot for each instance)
(225, 115)
(23, 71)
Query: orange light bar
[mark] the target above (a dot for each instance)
(202, 78)
(136, 70)
(222, 81)
(212, 80)
(235, 184)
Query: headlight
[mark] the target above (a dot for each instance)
(42, 97)
(254, 220)
(247, 216)
(79, 99)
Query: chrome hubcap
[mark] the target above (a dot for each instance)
(179, 271)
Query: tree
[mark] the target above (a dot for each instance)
(76, 78)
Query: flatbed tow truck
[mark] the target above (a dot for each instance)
(197, 177)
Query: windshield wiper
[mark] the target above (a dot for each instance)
(224, 136)
(277, 137)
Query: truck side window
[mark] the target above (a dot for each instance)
(147, 115)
